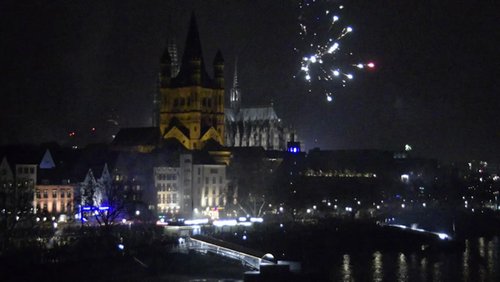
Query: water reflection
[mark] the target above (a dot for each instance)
(465, 261)
(491, 262)
(478, 261)
(346, 268)
(437, 272)
(423, 269)
(481, 259)
(377, 270)
(481, 247)
(402, 268)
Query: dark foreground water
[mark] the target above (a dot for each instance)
(479, 261)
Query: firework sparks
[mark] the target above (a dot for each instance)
(325, 62)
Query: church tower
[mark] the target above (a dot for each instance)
(191, 103)
(235, 96)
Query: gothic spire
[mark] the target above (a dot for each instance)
(192, 70)
(235, 96)
(235, 78)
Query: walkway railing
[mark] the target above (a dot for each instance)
(248, 257)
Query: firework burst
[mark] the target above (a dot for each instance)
(326, 61)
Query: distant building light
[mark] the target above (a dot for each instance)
(225, 222)
(196, 221)
(405, 178)
(443, 236)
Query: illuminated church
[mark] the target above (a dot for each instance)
(190, 108)
(254, 127)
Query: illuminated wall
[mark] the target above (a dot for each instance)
(54, 199)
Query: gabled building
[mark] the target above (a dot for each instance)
(6, 175)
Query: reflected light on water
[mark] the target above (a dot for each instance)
(465, 261)
(491, 255)
(479, 260)
(402, 268)
(482, 254)
(423, 269)
(377, 269)
(346, 268)
(481, 247)
(437, 272)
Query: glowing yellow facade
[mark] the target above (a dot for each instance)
(191, 104)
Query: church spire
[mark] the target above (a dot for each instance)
(235, 78)
(235, 97)
(192, 69)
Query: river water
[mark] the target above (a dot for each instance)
(479, 261)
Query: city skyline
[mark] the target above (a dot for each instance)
(74, 66)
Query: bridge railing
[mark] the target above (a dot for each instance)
(247, 259)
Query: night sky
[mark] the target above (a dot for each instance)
(72, 65)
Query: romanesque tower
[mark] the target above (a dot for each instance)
(191, 103)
